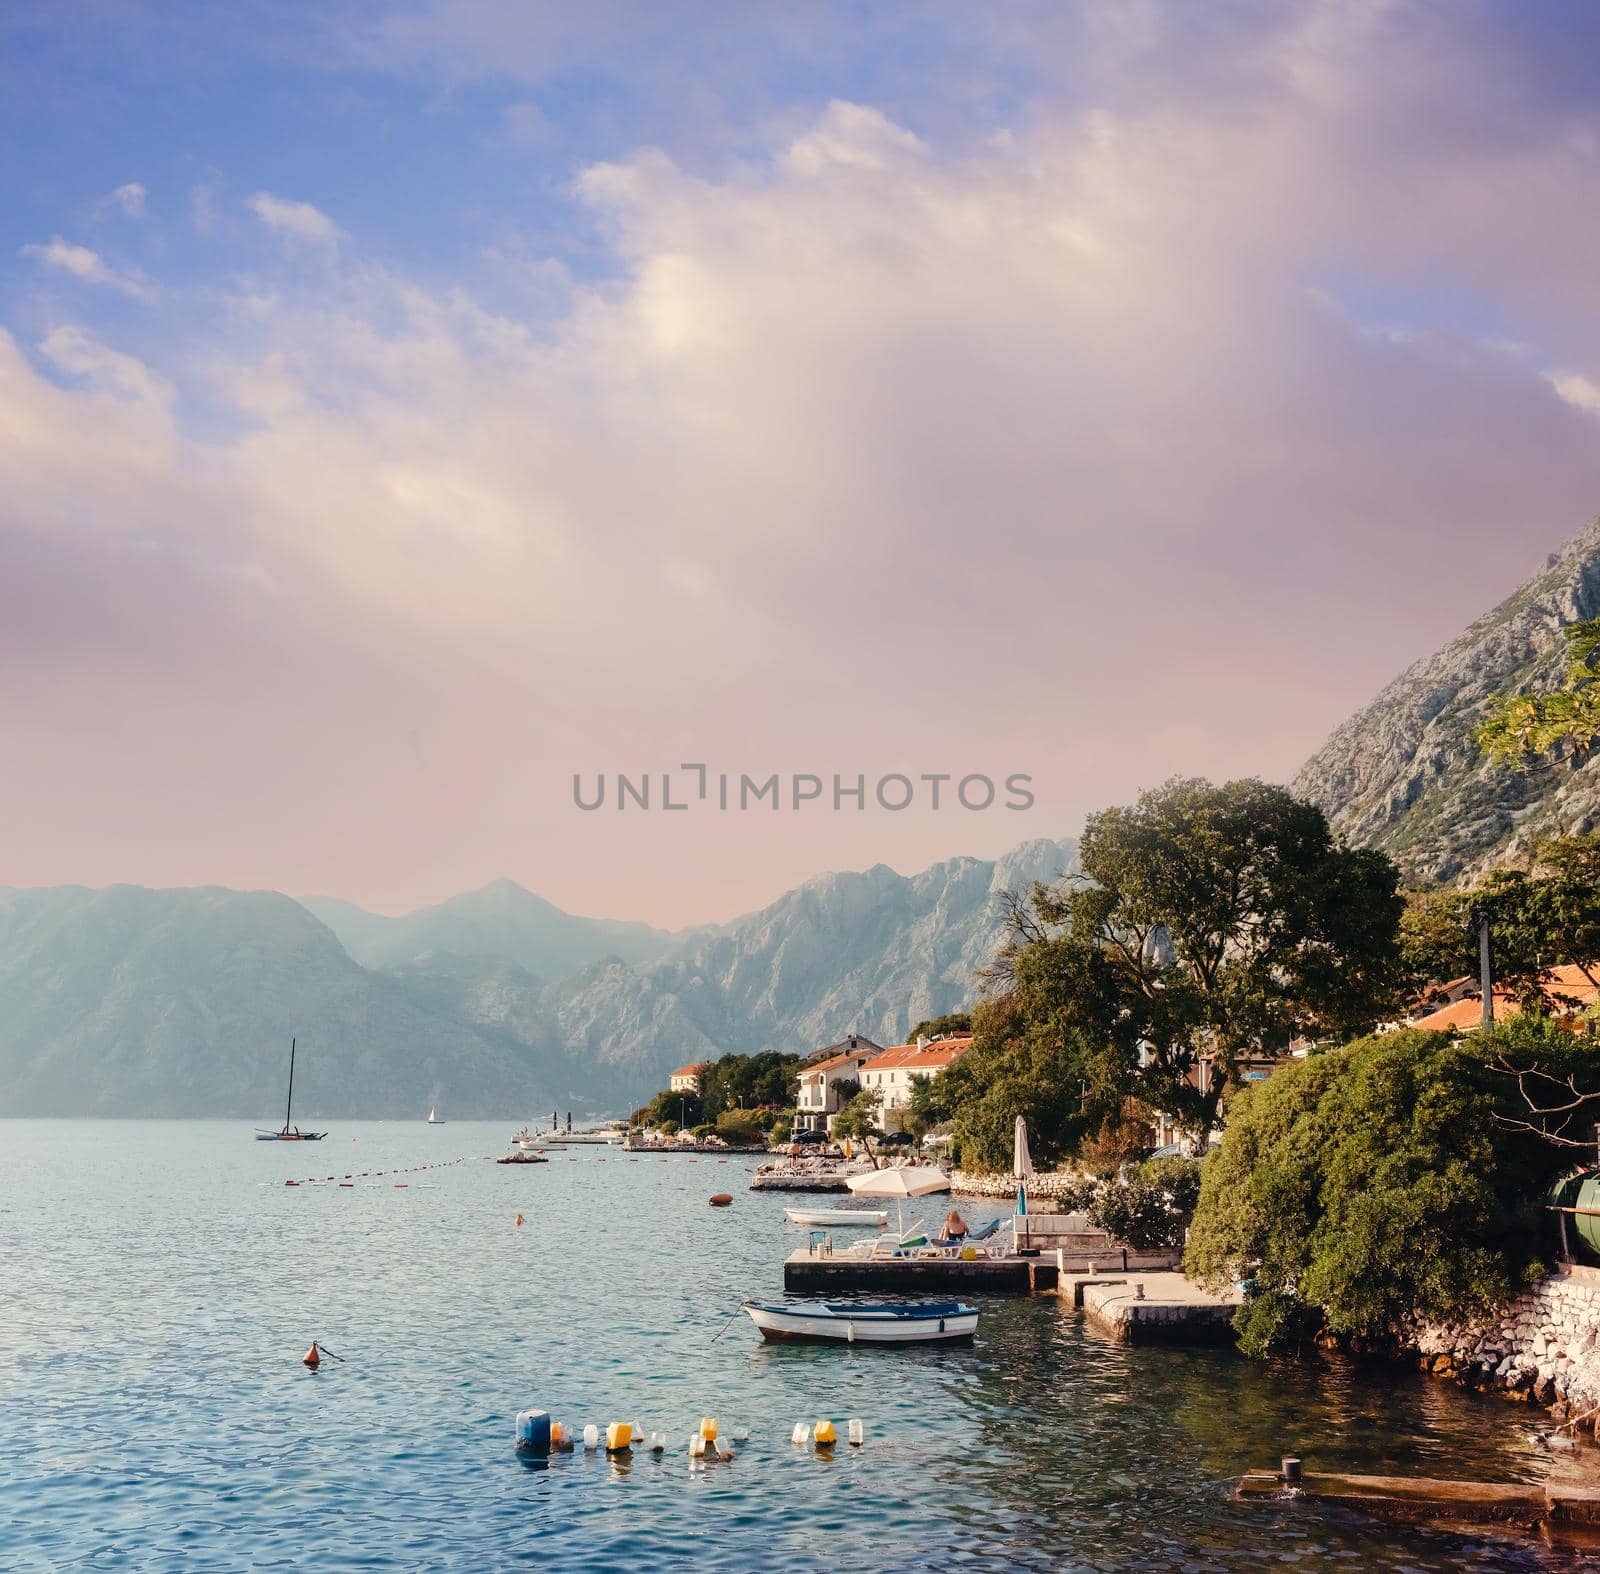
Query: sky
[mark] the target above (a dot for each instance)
(407, 407)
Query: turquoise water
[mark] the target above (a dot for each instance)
(159, 1284)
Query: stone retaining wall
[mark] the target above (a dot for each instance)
(1041, 1188)
(1544, 1348)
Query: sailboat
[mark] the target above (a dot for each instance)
(434, 1118)
(290, 1133)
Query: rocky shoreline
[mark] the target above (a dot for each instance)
(1543, 1348)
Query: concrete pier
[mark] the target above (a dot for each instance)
(1568, 1515)
(1161, 1307)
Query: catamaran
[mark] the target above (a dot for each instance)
(290, 1133)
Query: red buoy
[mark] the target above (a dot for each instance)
(311, 1358)
(721, 1200)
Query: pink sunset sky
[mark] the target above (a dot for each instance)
(406, 415)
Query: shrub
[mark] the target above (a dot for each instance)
(1149, 1211)
(1378, 1184)
(737, 1125)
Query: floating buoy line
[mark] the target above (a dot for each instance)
(538, 1432)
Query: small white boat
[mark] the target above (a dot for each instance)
(844, 1217)
(861, 1322)
(433, 1116)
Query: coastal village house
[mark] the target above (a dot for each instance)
(686, 1079)
(1567, 989)
(818, 1101)
(892, 1073)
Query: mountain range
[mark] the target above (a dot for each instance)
(128, 1001)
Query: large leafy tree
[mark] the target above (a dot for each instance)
(1390, 1179)
(1208, 922)
(749, 1081)
(1019, 1064)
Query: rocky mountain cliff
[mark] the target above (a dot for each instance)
(135, 1002)
(1405, 774)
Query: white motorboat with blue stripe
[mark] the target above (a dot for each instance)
(863, 1322)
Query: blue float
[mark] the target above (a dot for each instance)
(533, 1430)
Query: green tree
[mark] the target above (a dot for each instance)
(750, 1081)
(1021, 1063)
(1208, 922)
(739, 1126)
(1539, 918)
(1378, 1183)
(669, 1109)
(1525, 729)
(859, 1117)
(933, 1027)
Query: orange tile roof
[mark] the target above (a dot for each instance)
(691, 1071)
(938, 1054)
(1464, 1015)
(855, 1057)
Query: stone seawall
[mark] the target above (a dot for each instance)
(1543, 1348)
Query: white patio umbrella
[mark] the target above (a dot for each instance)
(897, 1182)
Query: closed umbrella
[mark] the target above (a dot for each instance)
(1021, 1163)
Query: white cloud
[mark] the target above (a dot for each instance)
(73, 350)
(863, 443)
(1581, 392)
(128, 199)
(852, 136)
(89, 267)
(299, 220)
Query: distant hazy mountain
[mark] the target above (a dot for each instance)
(135, 1002)
(501, 920)
(1405, 774)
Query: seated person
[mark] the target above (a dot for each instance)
(955, 1227)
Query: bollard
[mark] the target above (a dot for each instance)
(1291, 1469)
(1138, 1292)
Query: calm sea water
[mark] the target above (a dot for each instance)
(159, 1284)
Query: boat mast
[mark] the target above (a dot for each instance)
(290, 1105)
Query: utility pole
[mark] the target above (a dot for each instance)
(1480, 919)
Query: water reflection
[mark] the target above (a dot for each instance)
(1044, 1444)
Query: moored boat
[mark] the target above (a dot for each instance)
(846, 1322)
(843, 1217)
